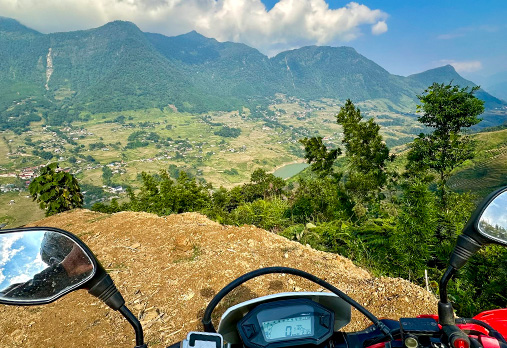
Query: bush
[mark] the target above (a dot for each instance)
(228, 132)
(269, 215)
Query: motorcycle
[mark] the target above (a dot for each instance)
(41, 264)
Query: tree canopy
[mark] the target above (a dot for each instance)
(56, 191)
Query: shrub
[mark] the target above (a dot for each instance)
(269, 215)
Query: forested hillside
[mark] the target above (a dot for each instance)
(117, 67)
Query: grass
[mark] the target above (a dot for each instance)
(22, 212)
(487, 171)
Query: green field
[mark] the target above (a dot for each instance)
(17, 209)
(488, 170)
(167, 139)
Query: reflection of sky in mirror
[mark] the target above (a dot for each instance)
(496, 213)
(20, 257)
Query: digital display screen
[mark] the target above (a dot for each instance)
(289, 327)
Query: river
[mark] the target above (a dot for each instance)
(290, 170)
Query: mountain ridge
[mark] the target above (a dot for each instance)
(118, 67)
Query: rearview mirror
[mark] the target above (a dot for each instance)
(40, 265)
(487, 224)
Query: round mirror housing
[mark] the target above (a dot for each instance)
(38, 265)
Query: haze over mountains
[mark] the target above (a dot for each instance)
(119, 67)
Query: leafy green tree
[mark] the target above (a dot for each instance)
(55, 191)
(366, 153)
(448, 110)
(321, 199)
(317, 154)
(262, 186)
(107, 175)
(267, 214)
(159, 194)
(414, 239)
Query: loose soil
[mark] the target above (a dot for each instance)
(169, 268)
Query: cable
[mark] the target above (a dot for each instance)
(208, 325)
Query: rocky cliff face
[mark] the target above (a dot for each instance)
(169, 268)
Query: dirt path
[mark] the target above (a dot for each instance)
(168, 269)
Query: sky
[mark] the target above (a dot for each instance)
(403, 36)
(20, 257)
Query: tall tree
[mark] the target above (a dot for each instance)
(56, 191)
(448, 110)
(366, 152)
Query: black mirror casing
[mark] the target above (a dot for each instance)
(468, 243)
(471, 239)
(85, 283)
(97, 282)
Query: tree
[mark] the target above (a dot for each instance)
(262, 186)
(56, 191)
(107, 175)
(416, 222)
(366, 153)
(317, 154)
(448, 110)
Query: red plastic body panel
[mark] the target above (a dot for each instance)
(473, 327)
(496, 318)
(489, 342)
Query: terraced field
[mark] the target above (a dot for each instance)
(488, 170)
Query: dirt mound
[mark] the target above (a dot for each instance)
(168, 269)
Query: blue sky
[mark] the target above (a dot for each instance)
(425, 34)
(403, 36)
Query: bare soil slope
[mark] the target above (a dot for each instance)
(168, 269)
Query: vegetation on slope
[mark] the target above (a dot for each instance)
(395, 224)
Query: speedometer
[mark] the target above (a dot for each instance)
(286, 323)
(300, 326)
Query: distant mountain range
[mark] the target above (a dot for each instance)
(119, 67)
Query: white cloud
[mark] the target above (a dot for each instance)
(7, 252)
(290, 23)
(464, 66)
(21, 278)
(379, 28)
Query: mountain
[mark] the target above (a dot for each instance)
(119, 67)
(22, 65)
(499, 89)
(448, 74)
(227, 69)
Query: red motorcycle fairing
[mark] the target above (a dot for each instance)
(496, 318)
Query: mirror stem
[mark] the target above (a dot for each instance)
(445, 310)
(131, 318)
(103, 287)
(449, 273)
